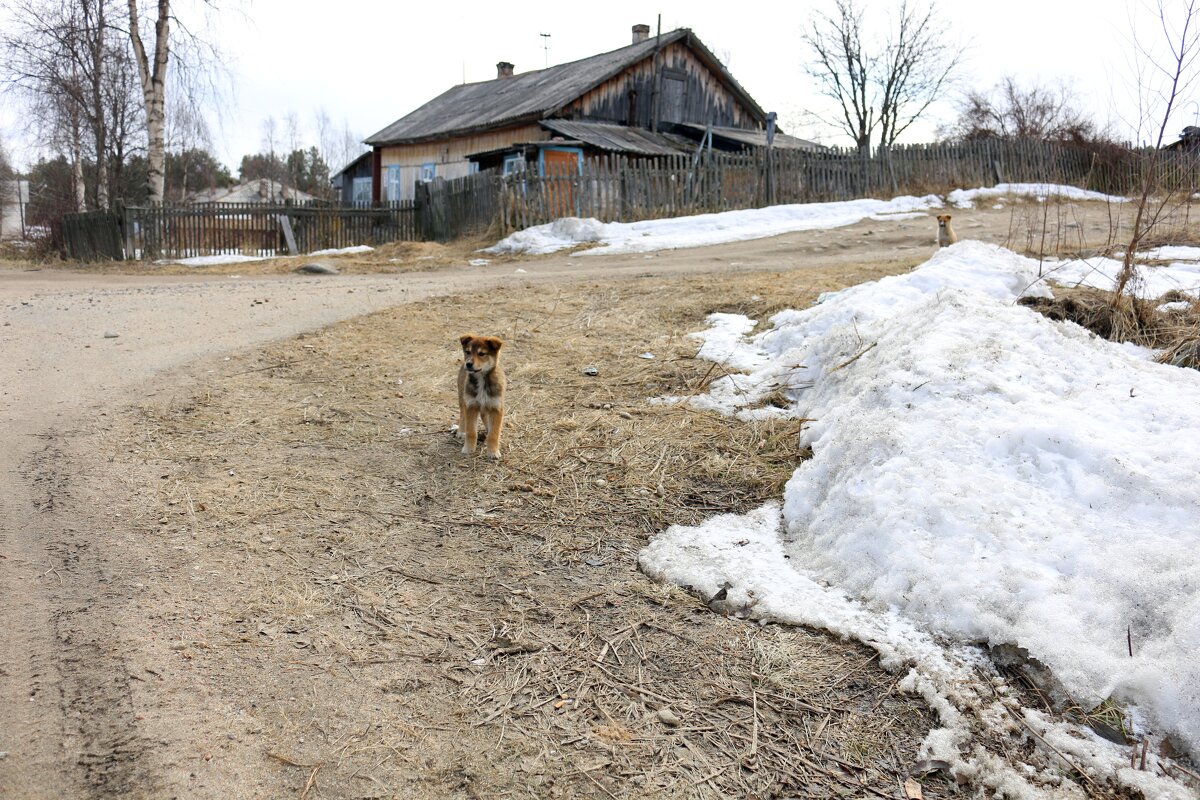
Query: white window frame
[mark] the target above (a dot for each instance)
(391, 185)
(360, 191)
(514, 164)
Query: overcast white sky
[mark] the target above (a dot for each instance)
(369, 62)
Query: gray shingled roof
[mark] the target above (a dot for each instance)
(620, 139)
(756, 138)
(530, 96)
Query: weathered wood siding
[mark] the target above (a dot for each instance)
(450, 156)
(690, 93)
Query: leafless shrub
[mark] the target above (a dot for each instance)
(1010, 110)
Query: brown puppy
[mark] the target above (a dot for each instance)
(480, 392)
(946, 234)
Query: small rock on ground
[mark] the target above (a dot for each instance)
(317, 269)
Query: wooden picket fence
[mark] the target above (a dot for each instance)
(452, 209)
(186, 231)
(618, 189)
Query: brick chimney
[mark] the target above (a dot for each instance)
(504, 70)
(641, 33)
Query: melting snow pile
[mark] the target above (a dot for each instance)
(211, 261)
(1181, 274)
(965, 198)
(341, 251)
(705, 229)
(238, 258)
(979, 472)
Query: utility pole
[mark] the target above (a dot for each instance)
(546, 46)
(771, 118)
(656, 79)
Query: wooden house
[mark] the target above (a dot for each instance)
(656, 96)
(352, 183)
(259, 191)
(1189, 141)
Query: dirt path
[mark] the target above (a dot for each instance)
(133, 662)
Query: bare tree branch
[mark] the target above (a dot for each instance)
(885, 87)
(1177, 74)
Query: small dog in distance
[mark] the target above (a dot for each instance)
(480, 392)
(946, 234)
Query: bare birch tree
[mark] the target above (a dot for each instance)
(882, 86)
(153, 74)
(65, 59)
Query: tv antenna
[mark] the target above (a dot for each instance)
(546, 46)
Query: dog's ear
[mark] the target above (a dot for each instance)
(466, 337)
(493, 343)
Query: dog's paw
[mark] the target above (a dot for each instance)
(494, 455)
(468, 450)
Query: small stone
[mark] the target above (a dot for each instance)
(265, 539)
(317, 269)
(591, 371)
(111, 335)
(647, 355)
(667, 717)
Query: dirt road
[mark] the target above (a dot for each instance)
(85, 709)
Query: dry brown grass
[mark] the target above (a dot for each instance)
(407, 619)
(1175, 333)
(384, 259)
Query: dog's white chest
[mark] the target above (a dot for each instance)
(477, 391)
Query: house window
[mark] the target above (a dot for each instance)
(473, 168)
(360, 191)
(514, 164)
(428, 172)
(391, 185)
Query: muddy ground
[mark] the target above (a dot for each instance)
(242, 556)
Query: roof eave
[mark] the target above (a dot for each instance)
(509, 122)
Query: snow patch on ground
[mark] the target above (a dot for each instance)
(211, 261)
(965, 198)
(341, 251)
(979, 474)
(706, 229)
(1153, 281)
(1171, 253)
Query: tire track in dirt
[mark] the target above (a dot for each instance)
(67, 723)
(93, 690)
(35, 729)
